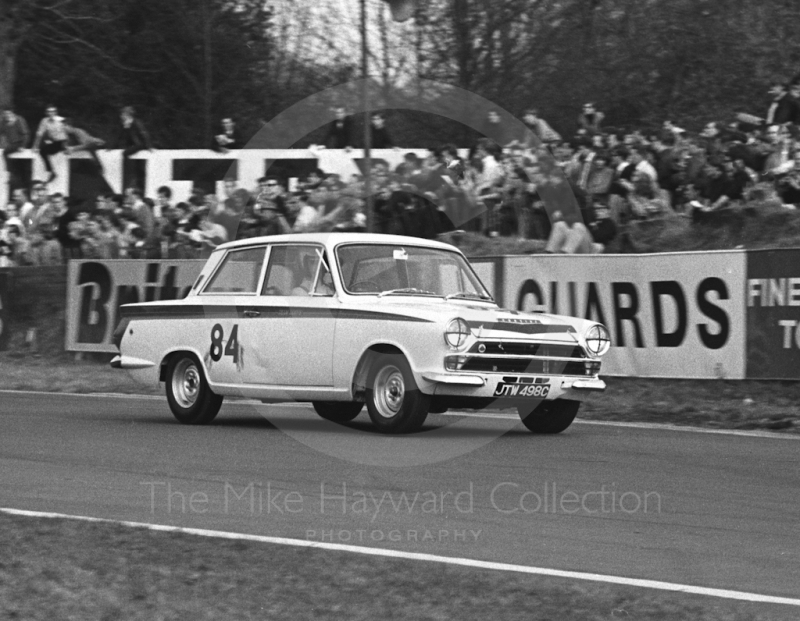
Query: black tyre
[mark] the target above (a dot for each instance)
(549, 416)
(338, 411)
(394, 402)
(188, 393)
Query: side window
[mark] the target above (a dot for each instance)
(297, 271)
(238, 273)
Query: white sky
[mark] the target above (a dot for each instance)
(331, 29)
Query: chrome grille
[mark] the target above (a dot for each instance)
(501, 356)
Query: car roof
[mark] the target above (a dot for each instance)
(333, 239)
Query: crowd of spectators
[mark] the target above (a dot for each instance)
(620, 177)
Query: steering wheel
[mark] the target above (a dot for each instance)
(272, 290)
(365, 286)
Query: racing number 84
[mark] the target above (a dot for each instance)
(230, 349)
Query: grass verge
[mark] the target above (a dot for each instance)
(720, 404)
(64, 569)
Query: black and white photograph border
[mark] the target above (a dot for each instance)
(609, 174)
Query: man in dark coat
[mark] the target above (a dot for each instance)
(782, 109)
(132, 138)
(14, 135)
(380, 135)
(340, 131)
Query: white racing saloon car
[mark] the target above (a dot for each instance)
(341, 320)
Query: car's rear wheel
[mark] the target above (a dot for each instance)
(190, 398)
(338, 411)
(394, 401)
(549, 416)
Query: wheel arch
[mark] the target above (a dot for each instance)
(359, 382)
(167, 356)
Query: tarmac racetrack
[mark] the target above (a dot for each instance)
(711, 510)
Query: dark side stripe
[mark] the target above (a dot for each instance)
(220, 311)
(521, 328)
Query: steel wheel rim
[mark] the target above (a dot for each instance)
(390, 391)
(186, 383)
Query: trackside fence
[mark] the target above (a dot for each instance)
(703, 315)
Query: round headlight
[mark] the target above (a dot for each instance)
(456, 333)
(598, 340)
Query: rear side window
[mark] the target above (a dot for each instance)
(240, 272)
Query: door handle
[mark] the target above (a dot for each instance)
(252, 313)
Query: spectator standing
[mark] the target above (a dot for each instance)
(14, 135)
(782, 109)
(142, 215)
(51, 138)
(228, 137)
(305, 216)
(495, 130)
(109, 237)
(539, 127)
(590, 119)
(380, 135)
(641, 164)
(14, 246)
(794, 93)
(340, 131)
(488, 182)
(63, 218)
(24, 208)
(131, 138)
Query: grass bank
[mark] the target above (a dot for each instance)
(762, 225)
(63, 569)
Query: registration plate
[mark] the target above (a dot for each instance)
(507, 389)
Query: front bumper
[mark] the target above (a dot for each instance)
(490, 386)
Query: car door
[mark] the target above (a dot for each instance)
(288, 331)
(228, 294)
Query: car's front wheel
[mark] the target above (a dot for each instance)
(338, 411)
(190, 398)
(549, 416)
(394, 401)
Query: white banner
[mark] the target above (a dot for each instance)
(678, 315)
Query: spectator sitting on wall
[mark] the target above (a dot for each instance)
(380, 135)
(51, 138)
(228, 137)
(80, 140)
(340, 131)
(14, 135)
